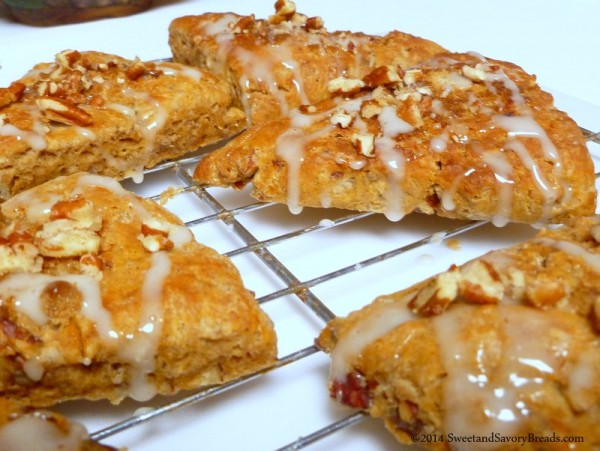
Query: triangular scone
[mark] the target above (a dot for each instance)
(286, 61)
(91, 111)
(460, 136)
(22, 428)
(106, 295)
(507, 345)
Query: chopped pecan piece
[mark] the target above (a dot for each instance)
(64, 112)
(381, 76)
(11, 94)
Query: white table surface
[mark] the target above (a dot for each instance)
(559, 41)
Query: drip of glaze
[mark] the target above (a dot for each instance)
(38, 431)
(503, 174)
(382, 318)
(393, 159)
(141, 347)
(26, 290)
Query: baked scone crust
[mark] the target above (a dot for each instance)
(506, 344)
(106, 295)
(460, 135)
(96, 112)
(279, 63)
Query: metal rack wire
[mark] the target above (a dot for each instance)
(303, 290)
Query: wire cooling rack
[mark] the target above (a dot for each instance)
(304, 269)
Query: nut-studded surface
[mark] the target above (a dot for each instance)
(96, 286)
(90, 111)
(522, 323)
(428, 139)
(278, 63)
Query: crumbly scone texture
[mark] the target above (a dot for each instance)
(515, 332)
(96, 112)
(279, 63)
(460, 136)
(106, 295)
(39, 429)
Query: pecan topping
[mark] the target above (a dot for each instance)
(11, 94)
(71, 231)
(155, 236)
(284, 10)
(64, 112)
(313, 23)
(365, 144)
(68, 58)
(343, 85)
(381, 76)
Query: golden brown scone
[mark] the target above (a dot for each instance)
(460, 136)
(507, 345)
(279, 63)
(105, 295)
(90, 111)
(23, 429)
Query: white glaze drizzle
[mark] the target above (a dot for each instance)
(34, 368)
(85, 132)
(258, 66)
(383, 317)
(173, 70)
(394, 162)
(33, 139)
(575, 250)
(221, 31)
(447, 197)
(37, 208)
(439, 143)
(472, 389)
(549, 192)
(151, 122)
(283, 54)
(393, 159)
(120, 108)
(290, 147)
(26, 290)
(33, 431)
(260, 69)
(503, 174)
(527, 126)
(140, 348)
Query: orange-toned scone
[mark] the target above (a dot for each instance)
(504, 349)
(96, 112)
(279, 63)
(460, 135)
(28, 429)
(105, 295)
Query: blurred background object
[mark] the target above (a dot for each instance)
(53, 12)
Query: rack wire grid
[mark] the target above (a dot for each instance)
(304, 269)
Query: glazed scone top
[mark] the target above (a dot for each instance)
(509, 328)
(459, 135)
(461, 104)
(50, 244)
(286, 60)
(82, 91)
